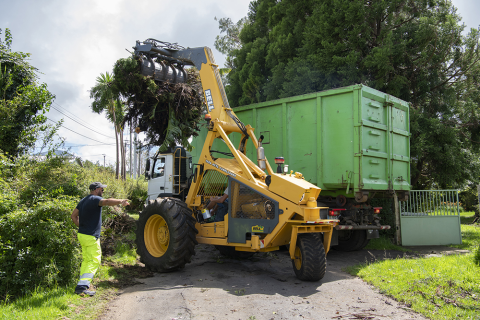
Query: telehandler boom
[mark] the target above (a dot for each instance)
(266, 210)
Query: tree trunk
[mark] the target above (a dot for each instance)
(122, 148)
(116, 163)
(116, 139)
(130, 151)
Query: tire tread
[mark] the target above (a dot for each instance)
(182, 235)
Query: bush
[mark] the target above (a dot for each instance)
(38, 244)
(476, 256)
(137, 193)
(8, 198)
(38, 247)
(51, 178)
(468, 197)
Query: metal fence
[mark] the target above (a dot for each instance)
(431, 203)
(430, 217)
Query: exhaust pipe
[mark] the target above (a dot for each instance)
(261, 155)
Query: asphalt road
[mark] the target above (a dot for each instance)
(264, 287)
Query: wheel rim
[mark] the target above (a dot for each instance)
(298, 258)
(156, 235)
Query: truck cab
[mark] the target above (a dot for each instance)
(169, 173)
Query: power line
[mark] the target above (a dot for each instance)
(81, 123)
(83, 145)
(76, 132)
(73, 115)
(91, 145)
(103, 154)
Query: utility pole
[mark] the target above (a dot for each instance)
(125, 161)
(130, 164)
(134, 168)
(139, 159)
(104, 160)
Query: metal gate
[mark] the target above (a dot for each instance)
(430, 217)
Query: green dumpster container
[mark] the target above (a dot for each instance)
(349, 141)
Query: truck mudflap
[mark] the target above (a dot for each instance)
(343, 227)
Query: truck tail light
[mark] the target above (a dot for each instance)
(334, 212)
(376, 210)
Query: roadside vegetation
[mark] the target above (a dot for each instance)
(438, 287)
(39, 254)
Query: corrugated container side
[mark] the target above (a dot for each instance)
(347, 139)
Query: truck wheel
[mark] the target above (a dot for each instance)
(351, 240)
(310, 262)
(165, 235)
(230, 252)
(364, 244)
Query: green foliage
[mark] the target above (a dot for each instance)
(38, 247)
(413, 50)
(168, 113)
(230, 41)
(23, 101)
(384, 243)
(8, 198)
(137, 193)
(469, 198)
(476, 257)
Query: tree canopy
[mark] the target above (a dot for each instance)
(168, 113)
(412, 49)
(23, 101)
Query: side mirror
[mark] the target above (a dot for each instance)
(147, 169)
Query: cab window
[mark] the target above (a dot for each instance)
(159, 168)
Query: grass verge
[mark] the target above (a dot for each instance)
(117, 271)
(444, 287)
(384, 243)
(467, 217)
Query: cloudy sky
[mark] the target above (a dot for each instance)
(72, 42)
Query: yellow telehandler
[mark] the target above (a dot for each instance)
(263, 210)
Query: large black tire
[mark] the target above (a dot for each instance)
(351, 240)
(310, 263)
(364, 244)
(230, 252)
(165, 235)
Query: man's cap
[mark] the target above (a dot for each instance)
(96, 185)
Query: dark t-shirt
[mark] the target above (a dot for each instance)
(90, 215)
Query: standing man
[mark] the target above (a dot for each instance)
(87, 216)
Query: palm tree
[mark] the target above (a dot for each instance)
(119, 113)
(104, 97)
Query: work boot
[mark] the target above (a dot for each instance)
(80, 289)
(84, 290)
(88, 293)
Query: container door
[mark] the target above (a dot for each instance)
(374, 142)
(400, 146)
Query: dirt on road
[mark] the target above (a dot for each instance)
(263, 287)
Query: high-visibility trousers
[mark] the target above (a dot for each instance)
(92, 256)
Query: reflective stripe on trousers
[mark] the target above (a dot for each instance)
(92, 256)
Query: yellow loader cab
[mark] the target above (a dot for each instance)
(263, 209)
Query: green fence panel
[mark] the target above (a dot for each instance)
(430, 217)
